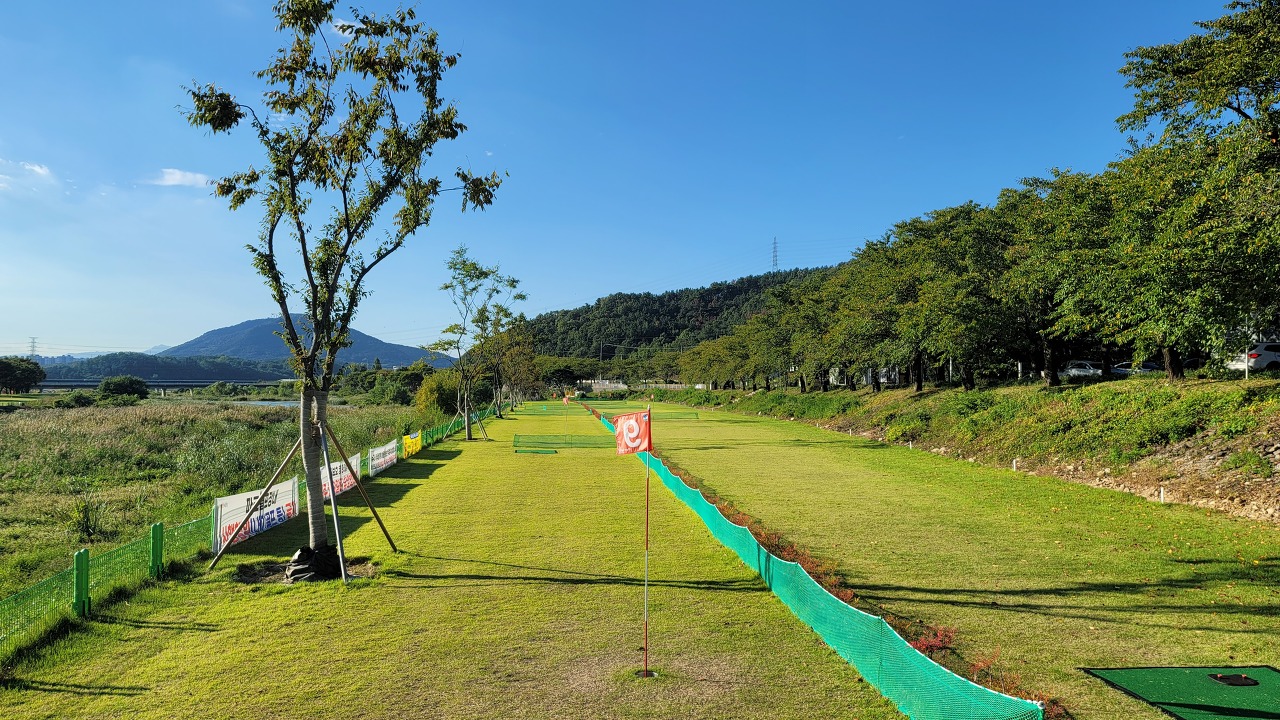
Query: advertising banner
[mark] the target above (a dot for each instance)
(412, 444)
(342, 480)
(280, 504)
(381, 458)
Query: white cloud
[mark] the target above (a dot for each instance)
(41, 170)
(170, 176)
(338, 24)
(488, 153)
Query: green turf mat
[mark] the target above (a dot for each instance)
(536, 451)
(1190, 693)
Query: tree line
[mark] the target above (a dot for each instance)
(1173, 251)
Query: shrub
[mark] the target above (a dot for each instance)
(74, 399)
(118, 385)
(1251, 462)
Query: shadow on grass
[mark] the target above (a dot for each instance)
(156, 624)
(1084, 600)
(72, 688)
(559, 576)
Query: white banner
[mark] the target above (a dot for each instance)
(280, 504)
(342, 480)
(381, 458)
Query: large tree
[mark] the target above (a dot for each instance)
(19, 375)
(349, 117)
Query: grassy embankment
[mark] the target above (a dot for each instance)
(1206, 442)
(1037, 576)
(518, 594)
(96, 477)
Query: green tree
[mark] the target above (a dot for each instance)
(347, 126)
(481, 296)
(122, 385)
(19, 375)
(1230, 70)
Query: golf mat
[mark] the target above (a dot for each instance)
(1201, 693)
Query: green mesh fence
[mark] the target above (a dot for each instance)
(922, 689)
(28, 613)
(664, 415)
(185, 540)
(562, 441)
(121, 567)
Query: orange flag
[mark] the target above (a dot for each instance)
(632, 432)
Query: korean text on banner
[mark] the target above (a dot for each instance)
(412, 444)
(381, 458)
(280, 504)
(633, 433)
(342, 480)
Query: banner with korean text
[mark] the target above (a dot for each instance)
(381, 458)
(280, 504)
(412, 444)
(342, 480)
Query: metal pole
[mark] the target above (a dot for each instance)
(257, 503)
(347, 461)
(333, 502)
(646, 571)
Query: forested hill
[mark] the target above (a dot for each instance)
(156, 367)
(679, 318)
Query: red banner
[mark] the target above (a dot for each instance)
(633, 433)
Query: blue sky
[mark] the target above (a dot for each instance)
(650, 146)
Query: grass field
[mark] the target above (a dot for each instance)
(1039, 575)
(517, 594)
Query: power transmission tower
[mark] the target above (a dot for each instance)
(775, 254)
(33, 348)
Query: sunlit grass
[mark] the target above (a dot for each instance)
(1048, 575)
(517, 594)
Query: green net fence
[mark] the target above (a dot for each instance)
(562, 441)
(28, 613)
(188, 539)
(121, 567)
(663, 415)
(921, 688)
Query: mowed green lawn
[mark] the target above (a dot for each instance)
(1052, 576)
(517, 594)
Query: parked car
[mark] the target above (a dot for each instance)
(1128, 368)
(1260, 356)
(1081, 368)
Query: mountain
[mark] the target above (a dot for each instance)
(256, 340)
(156, 367)
(156, 350)
(680, 318)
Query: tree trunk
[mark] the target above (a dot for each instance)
(875, 380)
(803, 386)
(1051, 377)
(917, 369)
(1106, 360)
(966, 377)
(1173, 364)
(466, 409)
(312, 409)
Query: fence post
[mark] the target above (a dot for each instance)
(157, 550)
(80, 584)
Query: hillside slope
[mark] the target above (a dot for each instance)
(1209, 443)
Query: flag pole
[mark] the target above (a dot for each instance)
(646, 672)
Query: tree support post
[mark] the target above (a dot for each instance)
(258, 503)
(359, 486)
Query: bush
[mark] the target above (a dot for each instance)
(438, 393)
(74, 399)
(120, 385)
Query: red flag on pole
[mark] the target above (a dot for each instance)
(632, 432)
